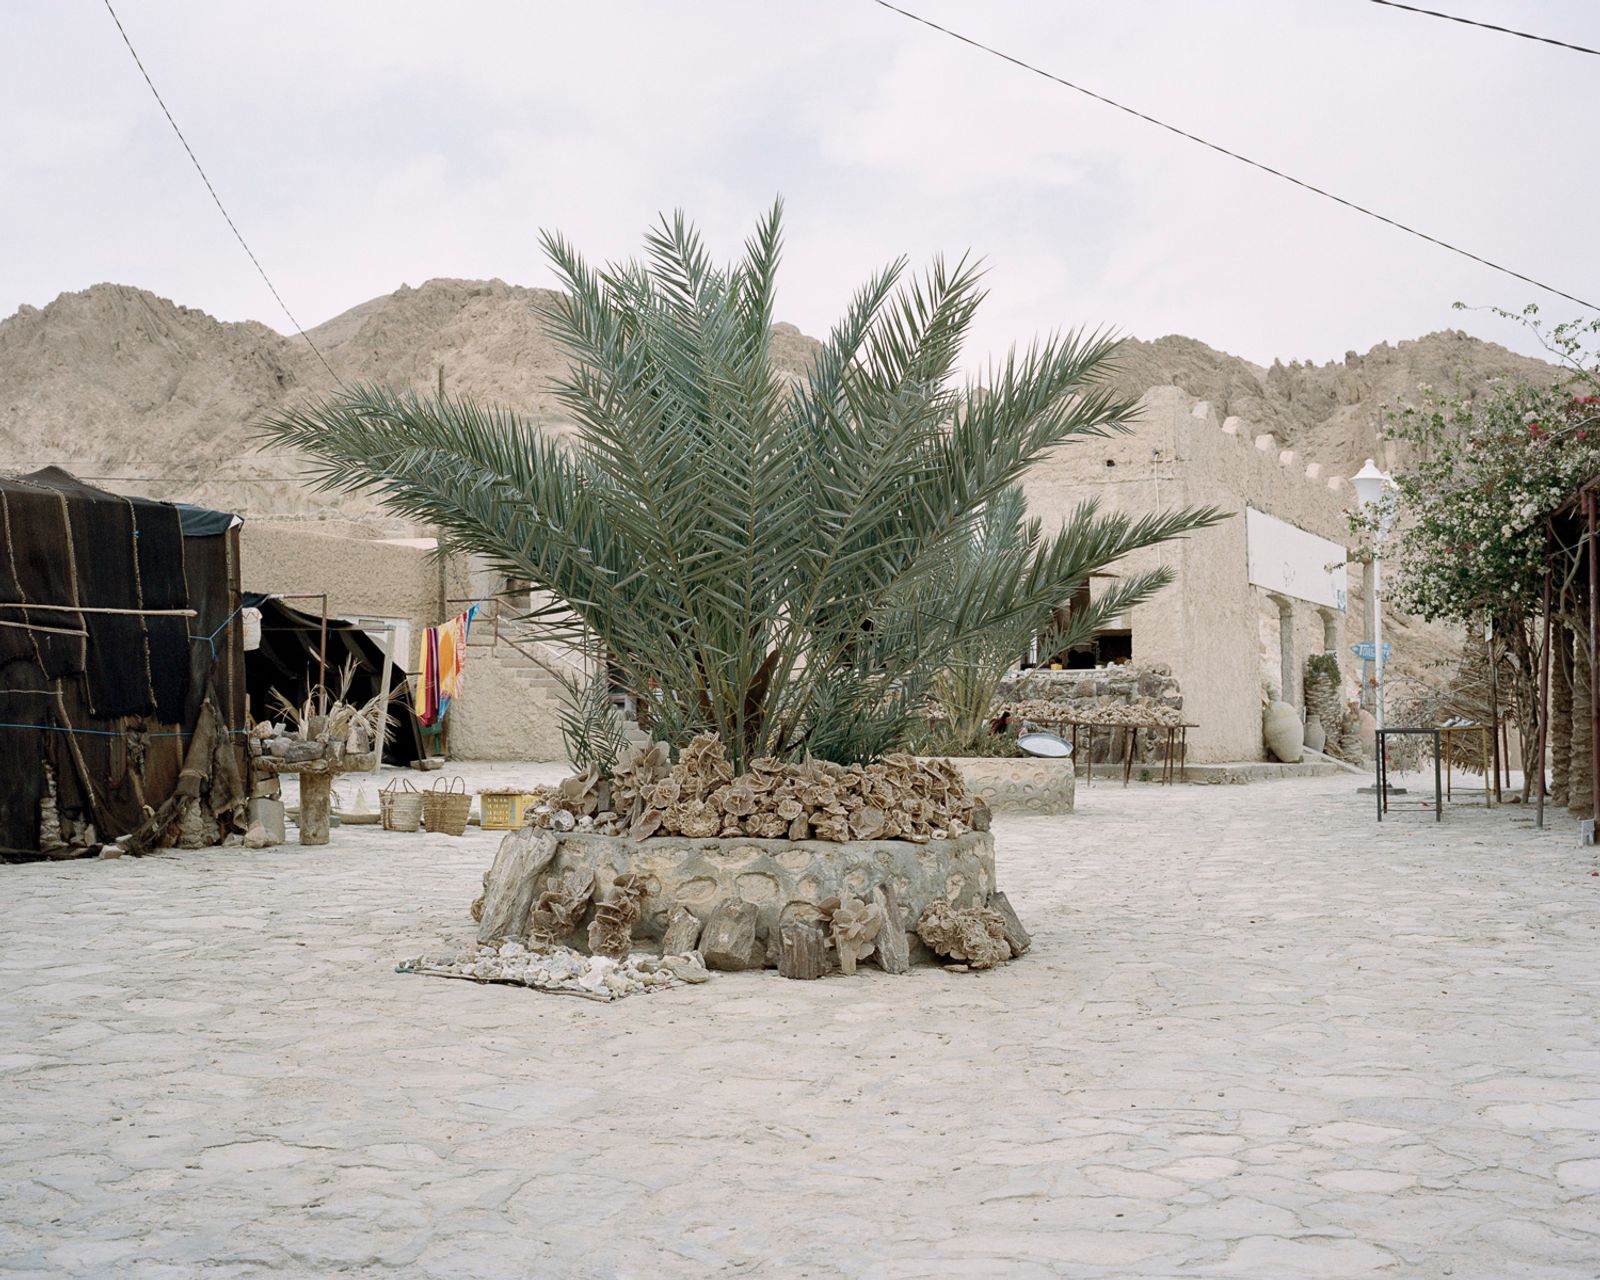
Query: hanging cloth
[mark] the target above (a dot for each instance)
(425, 693)
(441, 663)
(453, 656)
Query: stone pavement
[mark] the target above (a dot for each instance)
(1257, 1036)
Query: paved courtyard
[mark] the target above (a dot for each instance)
(1257, 1036)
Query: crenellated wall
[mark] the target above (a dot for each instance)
(1217, 632)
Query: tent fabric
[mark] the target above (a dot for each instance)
(200, 522)
(85, 546)
(286, 663)
(97, 710)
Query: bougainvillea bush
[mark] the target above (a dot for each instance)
(1483, 477)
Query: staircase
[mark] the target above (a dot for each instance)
(524, 668)
(539, 671)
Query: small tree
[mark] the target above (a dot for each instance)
(1482, 480)
(788, 564)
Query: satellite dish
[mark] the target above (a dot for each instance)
(1045, 744)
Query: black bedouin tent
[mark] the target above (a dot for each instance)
(286, 662)
(121, 670)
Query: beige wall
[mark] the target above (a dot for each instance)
(507, 710)
(1208, 625)
(503, 713)
(362, 576)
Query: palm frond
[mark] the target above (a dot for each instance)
(791, 564)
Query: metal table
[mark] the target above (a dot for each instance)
(1175, 765)
(1380, 743)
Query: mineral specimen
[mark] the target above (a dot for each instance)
(975, 935)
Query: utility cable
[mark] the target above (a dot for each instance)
(218, 199)
(1487, 26)
(1234, 155)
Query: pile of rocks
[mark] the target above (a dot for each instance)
(1125, 715)
(1117, 697)
(900, 797)
(562, 970)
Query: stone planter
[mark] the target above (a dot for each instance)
(1029, 785)
(784, 880)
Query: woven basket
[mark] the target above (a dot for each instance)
(445, 809)
(503, 810)
(400, 806)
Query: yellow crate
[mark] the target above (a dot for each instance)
(503, 810)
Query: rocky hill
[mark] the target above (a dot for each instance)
(143, 395)
(1329, 413)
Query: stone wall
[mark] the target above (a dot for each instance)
(1025, 784)
(1131, 685)
(785, 880)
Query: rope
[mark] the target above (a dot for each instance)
(211, 640)
(112, 733)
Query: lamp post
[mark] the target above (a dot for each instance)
(1375, 493)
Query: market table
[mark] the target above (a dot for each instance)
(1381, 742)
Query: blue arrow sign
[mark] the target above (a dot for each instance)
(1367, 653)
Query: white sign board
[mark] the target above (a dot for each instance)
(1292, 562)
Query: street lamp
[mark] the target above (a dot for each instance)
(1375, 492)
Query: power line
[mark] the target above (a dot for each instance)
(215, 197)
(1487, 26)
(1234, 155)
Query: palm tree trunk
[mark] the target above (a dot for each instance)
(1560, 748)
(1580, 781)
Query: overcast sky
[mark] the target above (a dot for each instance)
(360, 146)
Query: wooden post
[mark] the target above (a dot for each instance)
(1594, 682)
(316, 792)
(383, 692)
(1494, 720)
(322, 659)
(1543, 733)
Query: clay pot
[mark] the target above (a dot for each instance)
(1283, 733)
(1316, 736)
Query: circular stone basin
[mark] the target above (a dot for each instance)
(786, 880)
(1018, 785)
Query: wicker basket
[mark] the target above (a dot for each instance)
(400, 806)
(444, 808)
(503, 810)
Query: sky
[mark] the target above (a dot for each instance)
(361, 146)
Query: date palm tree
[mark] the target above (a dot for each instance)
(785, 562)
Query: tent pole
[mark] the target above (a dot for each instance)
(322, 659)
(383, 692)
